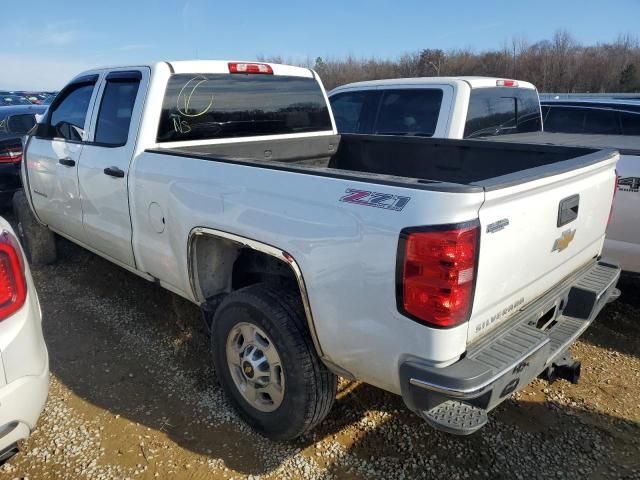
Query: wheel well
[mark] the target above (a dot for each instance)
(252, 267)
(220, 265)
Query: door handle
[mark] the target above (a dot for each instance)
(67, 162)
(114, 172)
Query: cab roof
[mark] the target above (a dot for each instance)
(205, 66)
(473, 82)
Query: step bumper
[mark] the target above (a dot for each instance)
(457, 398)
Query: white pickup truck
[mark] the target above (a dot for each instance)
(508, 111)
(443, 107)
(449, 272)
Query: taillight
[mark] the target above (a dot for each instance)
(436, 273)
(235, 67)
(11, 155)
(506, 83)
(13, 284)
(613, 200)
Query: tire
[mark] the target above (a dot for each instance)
(276, 318)
(38, 242)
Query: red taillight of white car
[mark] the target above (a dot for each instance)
(13, 284)
(11, 155)
(237, 67)
(436, 273)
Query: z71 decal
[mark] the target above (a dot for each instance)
(375, 199)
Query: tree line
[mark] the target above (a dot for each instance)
(558, 65)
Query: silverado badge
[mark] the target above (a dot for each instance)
(563, 242)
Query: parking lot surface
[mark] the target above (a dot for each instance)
(133, 395)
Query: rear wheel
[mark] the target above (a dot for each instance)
(38, 242)
(267, 364)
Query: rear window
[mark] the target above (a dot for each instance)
(601, 121)
(501, 110)
(347, 111)
(630, 123)
(590, 120)
(409, 112)
(199, 107)
(564, 119)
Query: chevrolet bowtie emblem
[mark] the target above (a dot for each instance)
(563, 242)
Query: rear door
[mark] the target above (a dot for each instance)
(534, 235)
(104, 164)
(53, 155)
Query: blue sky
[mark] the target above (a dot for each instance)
(43, 45)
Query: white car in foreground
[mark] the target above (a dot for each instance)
(24, 362)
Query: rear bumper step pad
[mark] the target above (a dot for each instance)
(456, 417)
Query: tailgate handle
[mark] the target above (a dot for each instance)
(568, 210)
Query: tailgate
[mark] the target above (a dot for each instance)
(535, 234)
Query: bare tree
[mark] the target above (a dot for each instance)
(560, 64)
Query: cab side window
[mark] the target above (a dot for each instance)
(116, 108)
(69, 115)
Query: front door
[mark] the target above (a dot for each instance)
(52, 159)
(104, 165)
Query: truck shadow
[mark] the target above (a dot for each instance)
(617, 328)
(138, 352)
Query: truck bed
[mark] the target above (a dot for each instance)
(439, 164)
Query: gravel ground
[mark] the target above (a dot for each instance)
(133, 395)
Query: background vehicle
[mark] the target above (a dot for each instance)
(48, 99)
(594, 116)
(399, 261)
(623, 234)
(604, 123)
(15, 122)
(479, 107)
(24, 360)
(9, 100)
(445, 107)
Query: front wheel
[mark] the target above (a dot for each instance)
(266, 362)
(38, 242)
